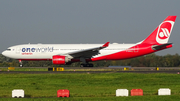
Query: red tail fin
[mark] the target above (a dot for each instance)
(162, 33)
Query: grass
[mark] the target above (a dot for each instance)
(89, 86)
(24, 69)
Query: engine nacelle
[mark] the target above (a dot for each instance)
(60, 59)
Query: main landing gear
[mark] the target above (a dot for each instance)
(85, 63)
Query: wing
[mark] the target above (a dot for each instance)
(87, 53)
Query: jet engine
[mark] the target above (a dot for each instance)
(60, 59)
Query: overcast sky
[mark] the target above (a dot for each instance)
(85, 21)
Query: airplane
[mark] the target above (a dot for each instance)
(64, 54)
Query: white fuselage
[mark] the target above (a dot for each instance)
(46, 51)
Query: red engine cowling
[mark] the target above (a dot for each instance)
(60, 60)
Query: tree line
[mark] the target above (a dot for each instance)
(151, 60)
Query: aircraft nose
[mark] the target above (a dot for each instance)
(3, 53)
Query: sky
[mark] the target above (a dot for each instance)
(85, 21)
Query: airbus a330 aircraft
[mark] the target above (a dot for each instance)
(63, 54)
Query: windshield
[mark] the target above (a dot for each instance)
(8, 49)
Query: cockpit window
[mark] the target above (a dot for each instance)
(8, 49)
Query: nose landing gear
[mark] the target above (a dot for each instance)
(20, 63)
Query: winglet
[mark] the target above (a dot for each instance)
(106, 44)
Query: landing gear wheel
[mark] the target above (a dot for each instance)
(82, 65)
(20, 65)
(86, 65)
(90, 65)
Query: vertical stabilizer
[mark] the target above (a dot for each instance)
(162, 33)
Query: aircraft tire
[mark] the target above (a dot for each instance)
(86, 65)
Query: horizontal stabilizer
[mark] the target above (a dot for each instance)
(161, 46)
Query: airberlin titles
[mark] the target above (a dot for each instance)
(30, 51)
